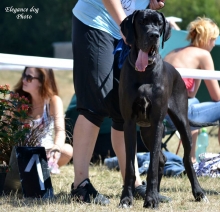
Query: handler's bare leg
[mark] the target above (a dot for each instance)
(118, 145)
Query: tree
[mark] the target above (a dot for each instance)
(52, 22)
(188, 10)
(35, 36)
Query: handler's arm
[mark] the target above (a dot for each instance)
(115, 9)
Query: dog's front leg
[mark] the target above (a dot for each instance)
(152, 195)
(130, 149)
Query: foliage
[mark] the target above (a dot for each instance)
(15, 129)
(189, 10)
(52, 23)
(35, 36)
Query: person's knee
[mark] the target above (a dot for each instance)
(66, 154)
(67, 149)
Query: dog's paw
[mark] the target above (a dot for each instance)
(126, 202)
(205, 199)
(126, 198)
(151, 201)
(200, 196)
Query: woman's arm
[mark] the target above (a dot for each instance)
(115, 9)
(56, 111)
(206, 63)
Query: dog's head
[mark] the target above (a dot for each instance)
(143, 29)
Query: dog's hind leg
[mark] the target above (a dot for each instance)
(130, 149)
(178, 113)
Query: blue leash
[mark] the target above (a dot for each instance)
(124, 51)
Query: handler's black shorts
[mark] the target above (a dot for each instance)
(96, 74)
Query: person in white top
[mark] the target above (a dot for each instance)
(39, 86)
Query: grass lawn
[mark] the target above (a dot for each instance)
(110, 182)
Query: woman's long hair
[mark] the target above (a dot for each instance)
(201, 30)
(46, 78)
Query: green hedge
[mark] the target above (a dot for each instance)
(35, 36)
(52, 22)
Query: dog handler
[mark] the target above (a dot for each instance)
(95, 34)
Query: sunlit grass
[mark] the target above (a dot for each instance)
(110, 182)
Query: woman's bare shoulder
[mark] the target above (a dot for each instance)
(55, 98)
(56, 101)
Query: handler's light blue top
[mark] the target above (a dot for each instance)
(94, 14)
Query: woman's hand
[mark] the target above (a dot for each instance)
(53, 155)
(157, 5)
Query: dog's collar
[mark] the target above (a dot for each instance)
(129, 60)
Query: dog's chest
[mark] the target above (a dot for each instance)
(141, 107)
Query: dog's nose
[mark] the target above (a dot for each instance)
(154, 35)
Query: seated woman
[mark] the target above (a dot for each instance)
(39, 86)
(202, 33)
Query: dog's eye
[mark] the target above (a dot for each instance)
(160, 23)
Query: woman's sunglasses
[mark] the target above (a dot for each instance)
(28, 77)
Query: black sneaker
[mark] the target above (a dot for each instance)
(140, 191)
(86, 193)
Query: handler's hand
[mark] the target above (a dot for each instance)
(123, 37)
(155, 5)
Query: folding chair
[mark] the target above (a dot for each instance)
(170, 131)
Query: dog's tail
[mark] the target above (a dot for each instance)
(206, 124)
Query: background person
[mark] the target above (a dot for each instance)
(39, 86)
(202, 34)
(95, 34)
(174, 25)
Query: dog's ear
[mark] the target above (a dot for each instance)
(127, 28)
(166, 31)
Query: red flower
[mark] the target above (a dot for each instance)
(4, 87)
(26, 126)
(24, 107)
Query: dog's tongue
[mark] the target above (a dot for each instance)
(142, 61)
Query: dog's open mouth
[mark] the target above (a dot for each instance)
(145, 58)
